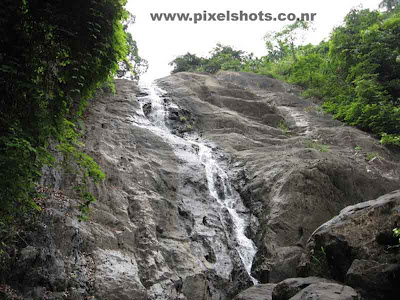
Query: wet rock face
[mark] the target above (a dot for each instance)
(156, 232)
(299, 167)
(355, 252)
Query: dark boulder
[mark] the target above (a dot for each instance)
(290, 287)
(354, 251)
(257, 292)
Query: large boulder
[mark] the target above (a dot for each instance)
(326, 291)
(288, 288)
(357, 247)
(257, 292)
(309, 288)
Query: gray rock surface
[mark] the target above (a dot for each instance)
(155, 231)
(257, 292)
(326, 291)
(293, 177)
(288, 288)
(309, 288)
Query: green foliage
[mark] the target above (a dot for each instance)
(284, 127)
(54, 56)
(69, 145)
(389, 4)
(282, 43)
(396, 233)
(88, 199)
(133, 65)
(305, 71)
(370, 156)
(364, 54)
(222, 58)
(390, 139)
(317, 146)
(356, 72)
(186, 63)
(319, 265)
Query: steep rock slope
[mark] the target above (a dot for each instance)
(157, 233)
(301, 166)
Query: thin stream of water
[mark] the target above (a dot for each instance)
(225, 196)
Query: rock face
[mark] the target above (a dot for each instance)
(309, 288)
(288, 288)
(257, 292)
(299, 167)
(156, 232)
(358, 246)
(312, 288)
(326, 291)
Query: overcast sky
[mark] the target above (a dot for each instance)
(160, 42)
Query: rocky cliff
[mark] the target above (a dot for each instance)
(237, 160)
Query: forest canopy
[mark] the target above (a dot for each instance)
(356, 72)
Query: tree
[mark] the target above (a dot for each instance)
(186, 63)
(222, 58)
(133, 66)
(281, 42)
(365, 52)
(389, 4)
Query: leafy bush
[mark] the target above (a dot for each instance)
(390, 139)
(222, 58)
(317, 146)
(396, 233)
(284, 127)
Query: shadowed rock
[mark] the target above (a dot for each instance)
(352, 252)
(258, 292)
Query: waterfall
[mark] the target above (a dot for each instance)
(226, 198)
(219, 185)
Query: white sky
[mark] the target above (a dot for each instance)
(160, 42)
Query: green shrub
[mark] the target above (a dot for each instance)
(390, 139)
(319, 265)
(284, 127)
(396, 233)
(317, 146)
(371, 156)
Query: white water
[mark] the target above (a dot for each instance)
(227, 199)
